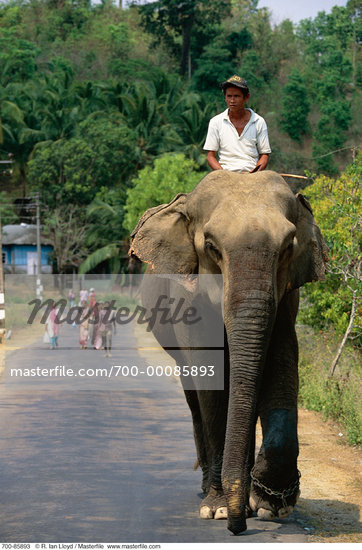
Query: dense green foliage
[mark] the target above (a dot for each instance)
(91, 93)
(296, 106)
(337, 209)
(176, 23)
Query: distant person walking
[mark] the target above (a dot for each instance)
(52, 327)
(83, 296)
(107, 327)
(93, 314)
(92, 298)
(97, 326)
(71, 298)
(83, 327)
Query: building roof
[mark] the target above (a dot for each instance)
(23, 234)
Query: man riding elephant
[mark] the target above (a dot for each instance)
(238, 135)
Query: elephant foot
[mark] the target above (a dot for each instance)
(270, 504)
(214, 506)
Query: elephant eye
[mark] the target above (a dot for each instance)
(210, 247)
(287, 252)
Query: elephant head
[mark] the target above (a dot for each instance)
(263, 239)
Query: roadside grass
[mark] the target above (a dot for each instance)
(337, 398)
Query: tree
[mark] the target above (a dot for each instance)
(328, 58)
(295, 106)
(192, 124)
(329, 135)
(65, 231)
(144, 112)
(17, 58)
(252, 70)
(214, 66)
(72, 171)
(105, 234)
(171, 174)
(12, 126)
(8, 213)
(169, 20)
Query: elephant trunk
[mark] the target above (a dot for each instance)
(248, 326)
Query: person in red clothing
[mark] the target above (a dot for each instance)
(92, 298)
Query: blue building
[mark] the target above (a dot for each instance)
(19, 251)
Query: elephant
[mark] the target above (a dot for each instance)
(262, 238)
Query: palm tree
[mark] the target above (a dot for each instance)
(192, 127)
(12, 124)
(143, 111)
(105, 232)
(147, 109)
(90, 98)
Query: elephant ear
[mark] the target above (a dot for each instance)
(161, 238)
(311, 253)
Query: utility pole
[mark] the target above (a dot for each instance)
(39, 287)
(2, 294)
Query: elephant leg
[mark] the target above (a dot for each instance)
(199, 437)
(275, 478)
(213, 408)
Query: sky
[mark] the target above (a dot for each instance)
(295, 10)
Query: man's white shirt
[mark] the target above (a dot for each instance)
(238, 152)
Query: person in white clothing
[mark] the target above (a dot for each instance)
(237, 139)
(83, 296)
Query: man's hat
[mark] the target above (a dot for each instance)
(235, 81)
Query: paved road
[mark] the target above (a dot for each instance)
(104, 463)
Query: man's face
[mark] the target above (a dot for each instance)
(235, 99)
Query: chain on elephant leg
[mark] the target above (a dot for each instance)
(275, 478)
(270, 503)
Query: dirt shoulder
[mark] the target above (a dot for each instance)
(330, 503)
(331, 485)
(20, 338)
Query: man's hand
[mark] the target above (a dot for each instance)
(256, 169)
(262, 164)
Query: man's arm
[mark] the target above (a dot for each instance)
(262, 140)
(262, 163)
(212, 145)
(212, 161)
